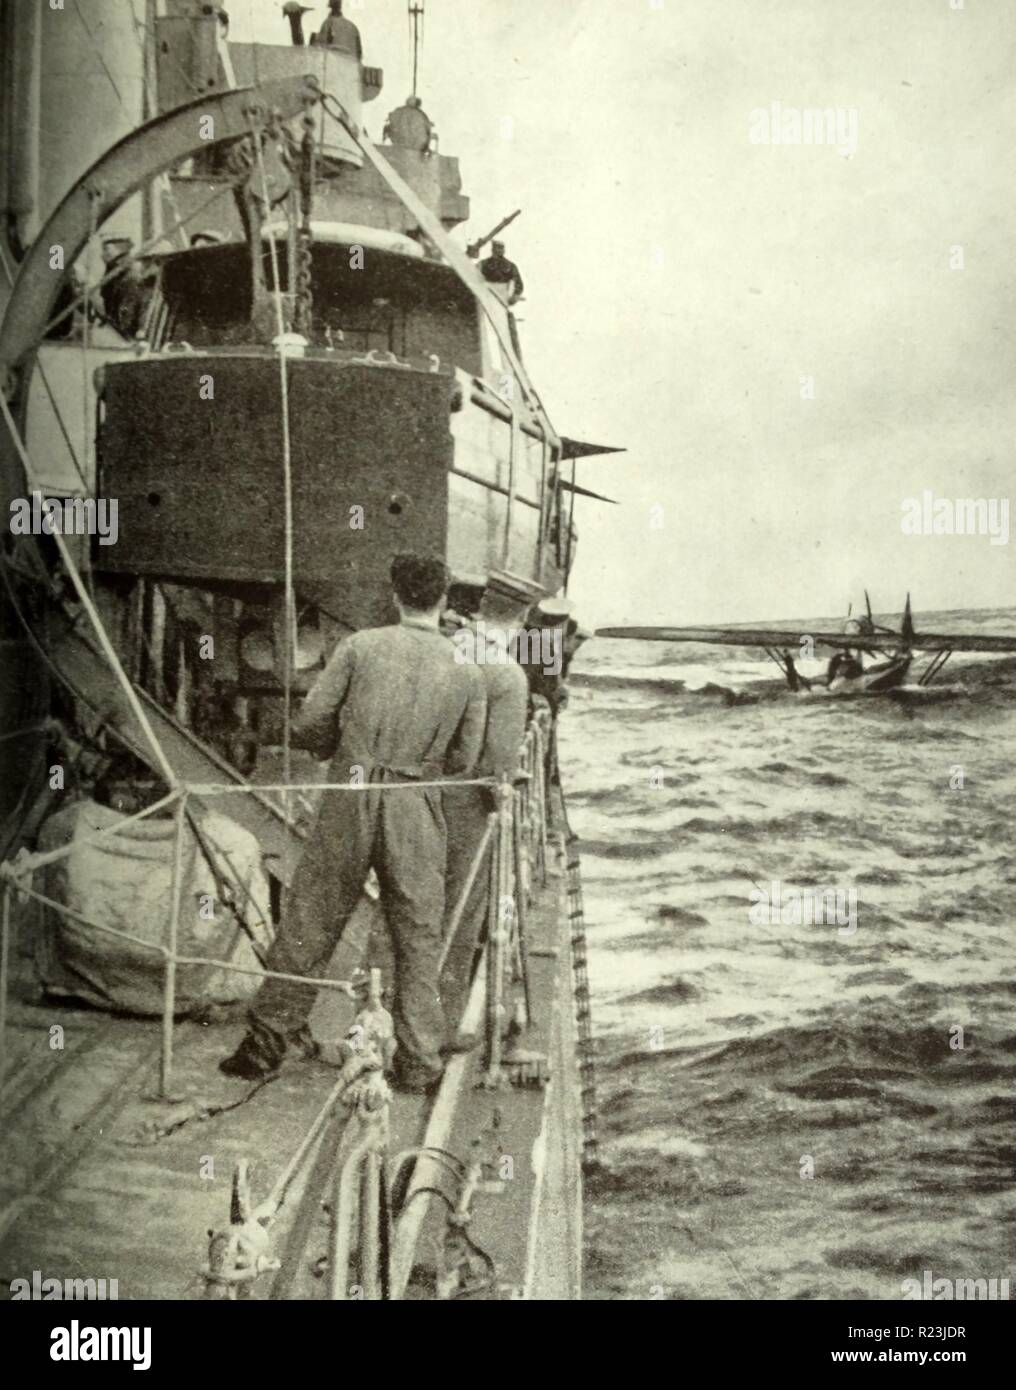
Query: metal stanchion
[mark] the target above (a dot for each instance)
(169, 987)
(521, 867)
(242, 1251)
(350, 1173)
(361, 1160)
(370, 1217)
(502, 911)
(540, 790)
(467, 888)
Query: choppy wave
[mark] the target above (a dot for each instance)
(735, 1058)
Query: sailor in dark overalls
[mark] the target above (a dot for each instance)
(393, 706)
(501, 274)
(467, 808)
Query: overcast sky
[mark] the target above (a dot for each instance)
(682, 280)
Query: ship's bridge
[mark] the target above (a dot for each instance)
(372, 290)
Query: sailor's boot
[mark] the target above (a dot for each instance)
(260, 1053)
(459, 1042)
(303, 1041)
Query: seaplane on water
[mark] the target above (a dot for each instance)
(846, 673)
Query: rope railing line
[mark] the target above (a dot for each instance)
(29, 863)
(88, 604)
(62, 427)
(14, 870)
(444, 783)
(157, 948)
(509, 821)
(85, 348)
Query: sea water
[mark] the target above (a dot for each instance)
(788, 1111)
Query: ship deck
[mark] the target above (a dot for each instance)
(102, 1179)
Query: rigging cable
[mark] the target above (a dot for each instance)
(82, 300)
(254, 44)
(94, 617)
(49, 391)
(453, 255)
(287, 476)
(99, 54)
(416, 21)
(142, 26)
(86, 347)
(153, 108)
(142, 33)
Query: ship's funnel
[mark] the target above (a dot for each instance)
(294, 13)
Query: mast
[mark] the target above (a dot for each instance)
(416, 25)
(151, 201)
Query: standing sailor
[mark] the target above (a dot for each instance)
(338, 32)
(502, 274)
(392, 706)
(543, 650)
(545, 653)
(467, 808)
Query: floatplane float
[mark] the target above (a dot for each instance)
(846, 673)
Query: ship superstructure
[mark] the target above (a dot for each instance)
(260, 508)
(232, 314)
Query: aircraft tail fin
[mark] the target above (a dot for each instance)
(907, 630)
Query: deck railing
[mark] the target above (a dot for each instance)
(514, 841)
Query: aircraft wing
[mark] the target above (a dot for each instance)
(961, 642)
(786, 638)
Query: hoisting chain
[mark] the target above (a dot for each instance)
(304, 305)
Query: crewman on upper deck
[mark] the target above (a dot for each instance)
(339, 32)
(502, 274)
(127, 287)
(391, 707)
